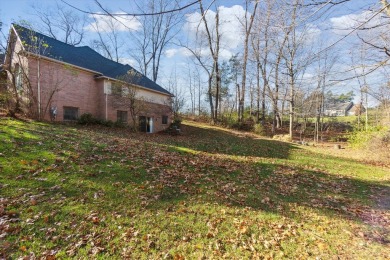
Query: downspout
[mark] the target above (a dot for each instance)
(106, 101)
(39, 90)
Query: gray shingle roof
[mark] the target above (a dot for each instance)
(342, 106)
(83, 57)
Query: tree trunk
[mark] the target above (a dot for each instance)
(245, 58)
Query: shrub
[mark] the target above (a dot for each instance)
(87, 119)
(108, 123)
(120, 124)
(229, 122)
(176, 122)
(247, 125)
(259, 129)
(361, 139)
(376, 141)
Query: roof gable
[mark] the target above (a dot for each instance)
(83, 57)
(341, 106)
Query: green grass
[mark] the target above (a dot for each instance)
(96, 192)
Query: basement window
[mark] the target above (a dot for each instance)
(121, 116)
(164, 120)
(71, 113)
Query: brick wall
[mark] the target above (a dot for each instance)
(65, 86)
(148, 109)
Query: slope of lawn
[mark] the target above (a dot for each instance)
(97, 192)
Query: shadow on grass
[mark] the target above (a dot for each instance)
(166, 175)
(214, 141)
(225, 142)
(293, 192)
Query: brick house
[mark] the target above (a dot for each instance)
(49, 75)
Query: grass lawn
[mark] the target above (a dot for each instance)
(210, 193)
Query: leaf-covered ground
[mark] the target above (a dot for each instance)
(96, 192)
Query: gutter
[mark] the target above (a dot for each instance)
(98, 75)
(141, 87)
(63, 62)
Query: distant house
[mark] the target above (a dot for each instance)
(76, 80)
(342, 109)
(356, 110)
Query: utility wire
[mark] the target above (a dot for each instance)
(354, 30)
(133, 14)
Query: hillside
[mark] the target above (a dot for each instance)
(98, 192)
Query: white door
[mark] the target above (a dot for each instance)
(150, 124)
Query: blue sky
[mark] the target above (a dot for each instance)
(330, 28)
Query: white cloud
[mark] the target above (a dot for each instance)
(171, 52)
(103, 23)
(344, 24)
(313, 32)
(231, 29)
(309, 34)
(177, 51)
(374, 31)
(128, 61)
(225, 54)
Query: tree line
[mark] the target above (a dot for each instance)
(280, 65)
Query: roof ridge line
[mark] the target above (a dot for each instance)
(48, 36)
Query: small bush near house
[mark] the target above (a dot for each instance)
(107, 123)
(176, 122)
(120, 124)
(87, 119)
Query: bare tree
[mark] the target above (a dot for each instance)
(375, 35)
(203, 61)
(127, 96)
(156, 34)
(178, 100)
(247, 28)
(214, 48)
(205, 52)
(61, 23)
(109, 42)
(262, 46)
(298, 56)
(285, 30)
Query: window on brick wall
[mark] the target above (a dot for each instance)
(121, 116)
(71, 113)
(164, 120)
